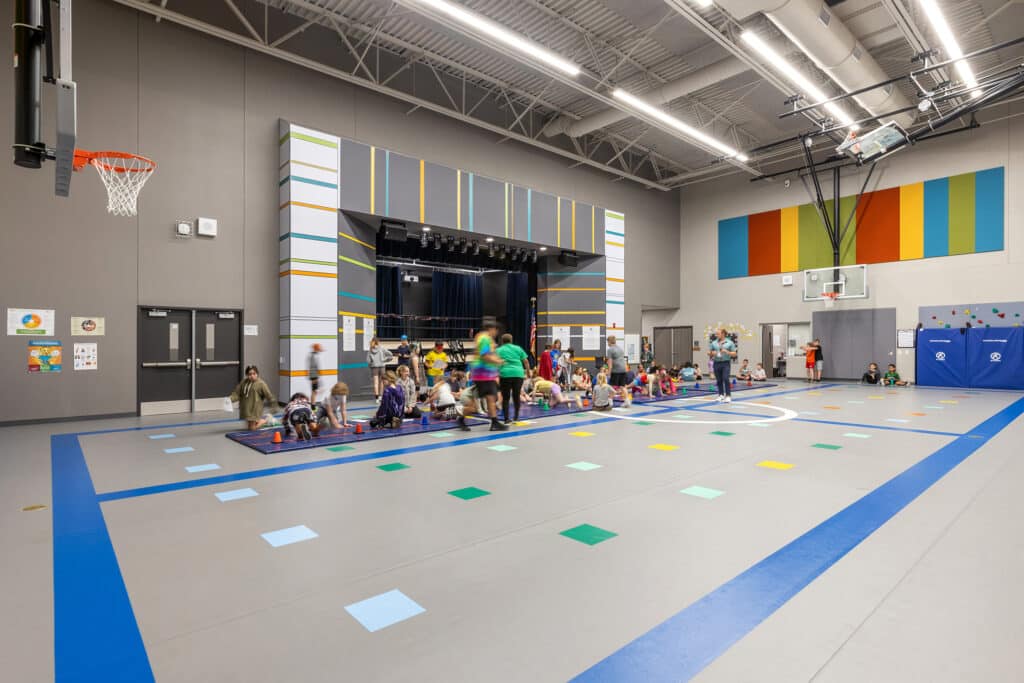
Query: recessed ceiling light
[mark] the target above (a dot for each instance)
(684, 128)
(489, 239)
(502, 35)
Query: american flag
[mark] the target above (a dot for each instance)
(533, 327)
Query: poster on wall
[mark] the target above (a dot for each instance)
(368, 325)
(44, 356)
(86, 356)
(633, 348)
(30, 321)
(561, 333)
(591, 337)
(88, 326)
(348, 333)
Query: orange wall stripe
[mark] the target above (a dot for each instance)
(308, 273)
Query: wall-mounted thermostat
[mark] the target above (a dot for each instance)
(787, 280)
(183, 228)
(206, 227)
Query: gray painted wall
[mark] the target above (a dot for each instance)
(208, 113)
(905, 286)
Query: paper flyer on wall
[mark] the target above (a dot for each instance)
(633, 348)
(348, 333)
(368, 325)
(31, 321)
(561, 333)
(86, 356)
(44, 356)
(88, 326)
(591, 337)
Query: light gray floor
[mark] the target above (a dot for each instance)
(934, 595)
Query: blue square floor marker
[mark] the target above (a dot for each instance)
(384, 610)
(236, 494)
(161, 436)
(179, 449)
(202, 468)
(501, 448)
(292, 534)
(584, 466)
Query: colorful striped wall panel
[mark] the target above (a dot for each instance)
(961, 214)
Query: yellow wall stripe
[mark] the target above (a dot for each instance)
(357, 240)
(789, 239)
(911, 221)
(346, 259)
(614, 244)
(573, 224)
(373, 180)
(310, 206)
(615, 279)
(423, 194)
(512, 191)
(308, 273)
(458, 199)
(357, 315)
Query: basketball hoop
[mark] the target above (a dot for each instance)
(123, 175)
(830, 299)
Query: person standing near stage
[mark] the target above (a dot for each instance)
(514, 364)
(484, 374)
(723, 350)
(617, 361)
(819, 360)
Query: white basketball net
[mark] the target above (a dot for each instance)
(830, 299)
(123, 177)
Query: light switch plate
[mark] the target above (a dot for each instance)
(206, 227)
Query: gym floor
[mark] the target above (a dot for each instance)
(824, 532)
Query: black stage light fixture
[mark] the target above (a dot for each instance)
(490, 250)
(533, 256)
(463, 245)
(502, 253)
(394, 232)
(451, 243)
(424, 240)
(437, 242)
(476, 248)
(568, 258)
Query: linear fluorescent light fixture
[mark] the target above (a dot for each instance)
(949, 44)
(702, 3)
(793, 75)
(683, 128)
(502, 35)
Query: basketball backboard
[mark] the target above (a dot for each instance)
(846, 282)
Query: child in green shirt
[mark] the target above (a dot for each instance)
(892, 378)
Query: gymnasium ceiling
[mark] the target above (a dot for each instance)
(400, 49)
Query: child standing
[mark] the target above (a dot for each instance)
(250, 395)
(377, 359)
(298, 415)
(313, 366)
(436, 363)
(544, 366)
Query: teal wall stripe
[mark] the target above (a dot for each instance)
(310, 181)
(387, 183)
(350, 295)
(471, 202)
(612, 232)
(304, 236)
(529, 215)
(351, 366)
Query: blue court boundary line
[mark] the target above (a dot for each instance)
(96, 635)
(683, 645)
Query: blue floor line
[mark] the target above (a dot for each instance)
(832, 422)
(682, 646)
(95, 635)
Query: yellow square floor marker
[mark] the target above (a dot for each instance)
(877, 398)
(831, 407)
(953, 402)
(581, 433)
(522, 423)
(774, 465)
(663, 447)
(814, 393)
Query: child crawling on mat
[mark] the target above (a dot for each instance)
(603, 393)
(552, 393)
(392, 404)
(442, 400)
(298, 415)
(334, 405)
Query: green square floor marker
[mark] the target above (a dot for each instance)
(684, 417)
(702, 492)
(440, 435)
(469, 493)
(589, 534)
(583, 466)
(392, 466)
(643, 423)
(723, 433)
(827, 446)
(501, 448)
(581, 414)
(339, 449)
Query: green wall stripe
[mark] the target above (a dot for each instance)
(309, 138)
(308, 336)
(305, 260)
(614, 215)
(346, 259)
(815, 251)
(961, 214)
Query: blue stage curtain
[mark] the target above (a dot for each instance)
(457, 304)
(517, 308)
(389, 301)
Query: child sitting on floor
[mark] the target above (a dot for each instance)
(872, 376)
(689, 372)
(408, 387)
(892, 378)
(758, 374)
(743, 374)
(298, 414)
(392, 404)
(603, 393)
(665, 381)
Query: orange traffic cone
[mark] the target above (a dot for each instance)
(749, 383)
(277, 437)
(586, 402)
(359, 428)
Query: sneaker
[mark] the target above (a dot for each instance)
(396, 422)
(376, 399)
(727, 399)
(719, 398)
(497, 426)
(461, 422)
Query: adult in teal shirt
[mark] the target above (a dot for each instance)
(514, 364)
(723, 350)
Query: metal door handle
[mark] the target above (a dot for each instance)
(199, 363)
(217, 363)
(182, 364)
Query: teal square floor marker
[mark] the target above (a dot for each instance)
(393, 466)
(501, 448)
(827, 446)
(702, 492)
(583, 466)
(643, 423)
(339, 449)
(684, 417)
(724, 433)
(469, 493)
(440, 435)
(589, 534)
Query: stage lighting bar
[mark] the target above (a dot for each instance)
(476, 248)
(451, 243)
(437, 242)
(683, 128)
(793, 75)
(952, 48)
(463, 245)
(502, 35)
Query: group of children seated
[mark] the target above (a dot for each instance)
(891, 378)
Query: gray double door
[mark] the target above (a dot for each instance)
(852, 339)
(189, 359)
(673, 345)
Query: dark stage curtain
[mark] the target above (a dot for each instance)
(459, 299)
(389, 301)
(517, 306)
